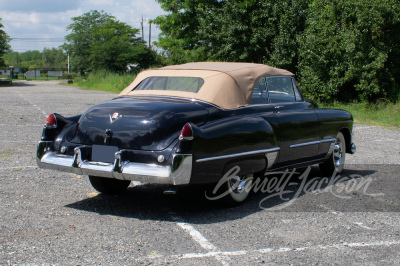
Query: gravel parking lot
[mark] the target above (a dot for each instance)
(50, 217)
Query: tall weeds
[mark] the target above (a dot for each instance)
(105, 81)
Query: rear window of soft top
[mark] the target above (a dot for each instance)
(187, 84)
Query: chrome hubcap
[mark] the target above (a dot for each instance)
(238, 183)
(337, 153)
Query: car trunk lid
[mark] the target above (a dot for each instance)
(138, 123)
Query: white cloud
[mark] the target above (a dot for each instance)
(42, 6)
(101, 2)
(50, 18)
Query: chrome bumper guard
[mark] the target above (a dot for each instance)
(353, 148)
(178, 173)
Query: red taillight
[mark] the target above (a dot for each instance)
(186, 132)
(51, 121)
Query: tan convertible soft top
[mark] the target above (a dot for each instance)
(226, 85)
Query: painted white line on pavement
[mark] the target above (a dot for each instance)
(17, 167)
(197, 236)
(283, 249)
(25, 125)
(201, 240)
(341, 214)
(37, 107)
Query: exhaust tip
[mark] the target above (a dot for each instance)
(169, 192)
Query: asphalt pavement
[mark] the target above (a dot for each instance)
(55, 218)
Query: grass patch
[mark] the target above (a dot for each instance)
(105, 81)
(380, 114)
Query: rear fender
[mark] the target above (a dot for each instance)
(219, 146)
(66, 128)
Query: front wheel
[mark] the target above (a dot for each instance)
(109, 185)
(336, 161)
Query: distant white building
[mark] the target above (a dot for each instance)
(32, 73)
(4, 72)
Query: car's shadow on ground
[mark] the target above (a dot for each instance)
(21, 84)
(303, 192)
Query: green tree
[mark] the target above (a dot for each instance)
(350, 50)
(99, 41)
(179, 39)
(4, 46)
(54, 59)
(251, 31)
(49, 59)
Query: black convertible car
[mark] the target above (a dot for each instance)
(193, 123)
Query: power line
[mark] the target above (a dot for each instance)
(28, 22)
(37, 38)
(45, 39)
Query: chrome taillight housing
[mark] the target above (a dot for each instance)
(186, 133)
(51, 121)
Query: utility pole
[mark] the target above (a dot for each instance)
(150, 36)
(141, 22)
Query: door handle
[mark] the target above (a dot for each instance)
(278, 106)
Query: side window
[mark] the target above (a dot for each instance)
(297, 93)
(260, 93)
(280, 89)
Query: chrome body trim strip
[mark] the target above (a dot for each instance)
(305, 144)
(328, 140)
(238, 154)
(178, 173)
(312, 143)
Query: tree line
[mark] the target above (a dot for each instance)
(346, 50)
(339, 49)
(47, 60)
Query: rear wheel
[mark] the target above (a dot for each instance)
(233, 191)
(109, 185)
(337, 160)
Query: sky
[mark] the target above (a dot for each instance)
(34, 25)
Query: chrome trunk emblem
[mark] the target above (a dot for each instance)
(114, 117)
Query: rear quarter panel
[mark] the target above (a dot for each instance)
(232, 135)
(331, 122)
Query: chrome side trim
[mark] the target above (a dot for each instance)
(328, 140)
(305, 144)
(178, 173)
(237, 155)
(312, 143)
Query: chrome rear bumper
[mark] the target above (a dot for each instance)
(178, 173)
